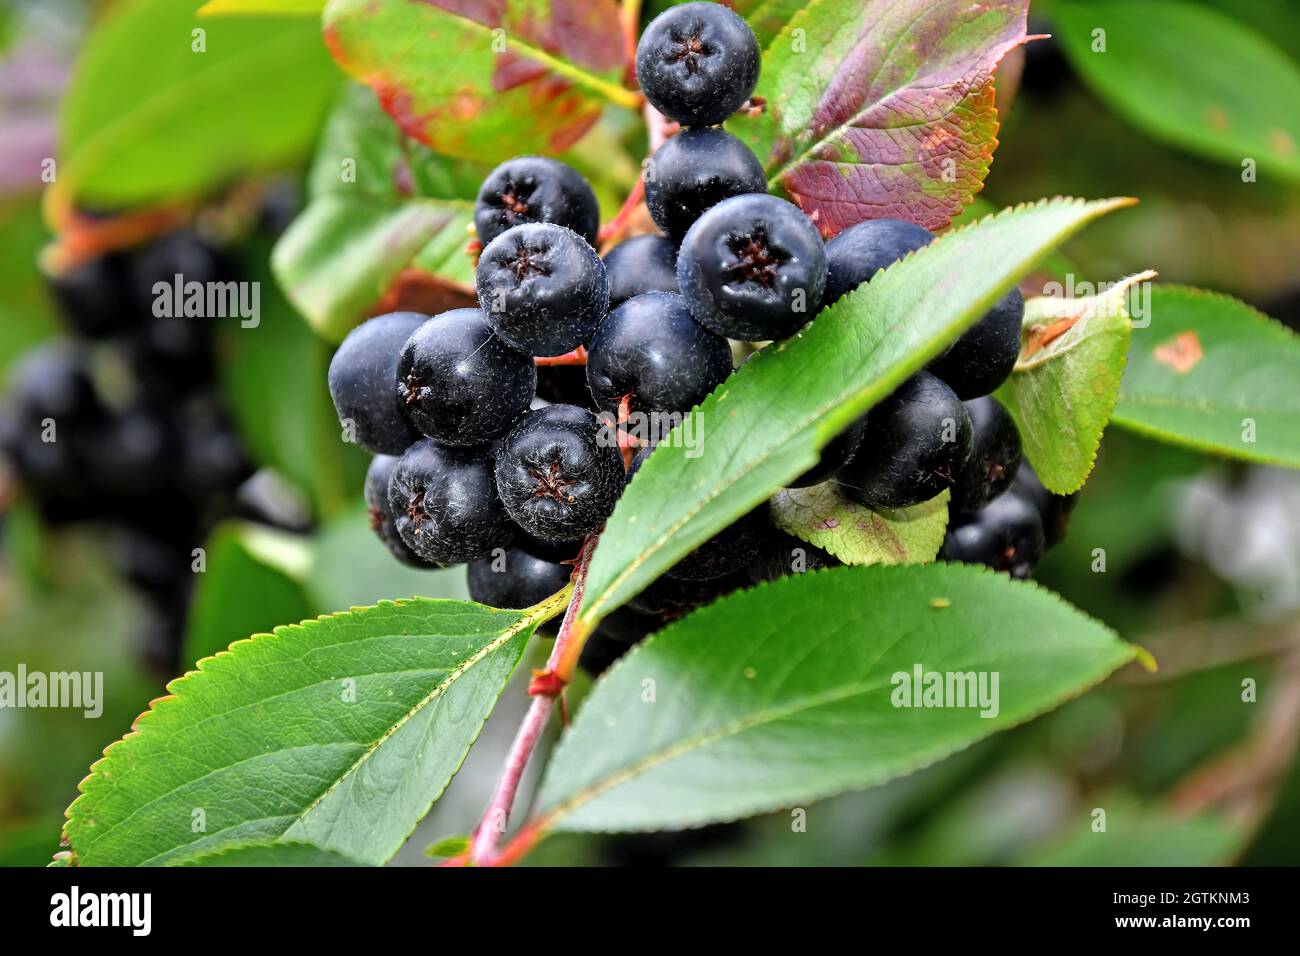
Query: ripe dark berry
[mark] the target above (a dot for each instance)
(697, 63)
(53, 381)
(914, 445)
(381, 514)
(834, 456)
(1055, 510)
(133, 453)
(543, 288)
(639, 265)
(978, 362)
(183, 254)
(783, 554)
(212, 460)
(671, 598)
(694, 171)
(362, 379)
(557, 473)
(752, 267)
(564, 385)
(650, 349)
(1006, 535)
(460, 384)
(535, 189)
(862, 250)
(994, 458)
(727, 552)
(445, 505)
(513, 578)
(92, 296)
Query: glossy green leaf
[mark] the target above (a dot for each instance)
(339, 732)
(1064, 385)
(791, 692)
(273, 854)
(823, 516)
(377, 206)
(765, 425)
(882, 109)
(1211, 373)
(1189, 76)
(149, 117)
(481, 79)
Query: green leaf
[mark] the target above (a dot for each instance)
(485, 80)
(882, 110)
(340, 732)
(1190, 77)
(273, 377)
(766, 423)
(1135, 838)
(286, 8)
(364, 224)
(254, 579)
(786, 693)
(147, 119)
(767, 18)
(449, 846)
(1064, 385)
(272, 854)
(1211, 373)
(823, 516)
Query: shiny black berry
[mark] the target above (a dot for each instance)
(753, 267)
(558, 473)
(694, 171)
(726, 553)
(1006, 535)
(639, 265)
(535, 189)
(782, 554)
(93, 296)
(460, 384)
(914, 445)
(862, 250)
(994, 458)
(381, 513)
(513, 578)
(1055, 510)
(671, 598)
(834, 455)
(445, 505)
(543, 288)
(978, 362)
(179, 257)
(651, 350)
(697, 63)
(363, 379)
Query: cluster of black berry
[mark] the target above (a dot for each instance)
(479, 460)
(120, 422)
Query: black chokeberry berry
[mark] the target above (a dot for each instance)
(639, 265)
(914, 445)
(445, 505)
(694, 171)
(978, 362)
(994, 458)
(558, 473)
(132, 453)
(513, 578)
(535, 189)
(543, 288)
(460, 384)
(564, 385)
(1006, 535)
(1055, 510)
(863, 249)
(92, 296)
(726, 553)
(782, 554)
(651, 350)
(362, 381)
(382, 522)
(181, 256)
(697, 63)
(834, 455)
(671, 598)
(753, 267)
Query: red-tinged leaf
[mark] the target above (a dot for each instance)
(484, 78)
(882, 109)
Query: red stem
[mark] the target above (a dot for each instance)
(545, 687)
(577, 357)
(615, 228)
